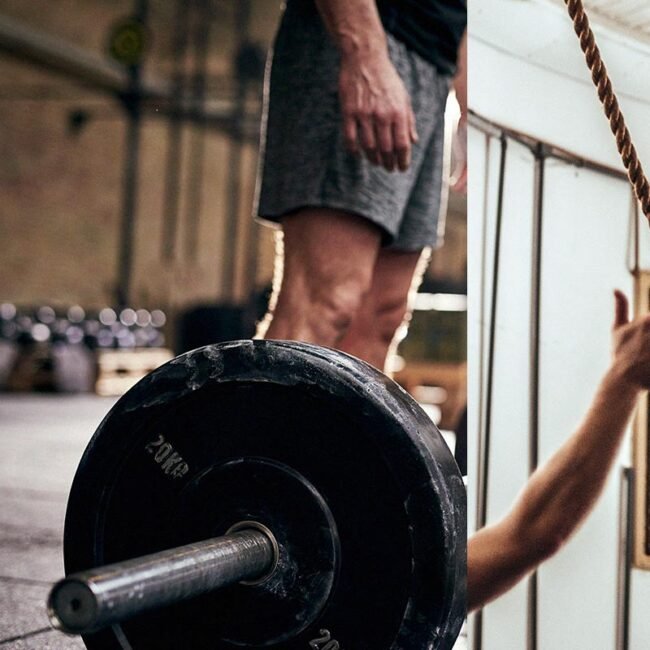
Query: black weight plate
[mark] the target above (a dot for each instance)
(271, 494)
(379, 464)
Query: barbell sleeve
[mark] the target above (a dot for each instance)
(90, 600)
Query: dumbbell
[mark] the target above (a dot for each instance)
(8, 346)
(265, 494)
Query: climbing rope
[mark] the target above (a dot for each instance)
(610, 103)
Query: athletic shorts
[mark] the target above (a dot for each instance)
(304, 162)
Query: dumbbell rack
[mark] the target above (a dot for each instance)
(75, 350)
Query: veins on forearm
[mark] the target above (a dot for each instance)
(561, 493)
(355, 27)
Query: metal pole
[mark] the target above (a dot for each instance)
(132, 105)
(174, 152)
(252, 252)
(625, 549)
(197, 144)
(633, 262)
(483, 278)
(551, 150)
(484, 435)
(129, 199)
(54, 54)
(242, 18)
(157, 95)
(88, 601)
(533, 428)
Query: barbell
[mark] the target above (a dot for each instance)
(265, 494)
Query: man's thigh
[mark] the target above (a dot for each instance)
(325, 248)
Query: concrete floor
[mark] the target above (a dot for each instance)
(41, 441)
(42, 438)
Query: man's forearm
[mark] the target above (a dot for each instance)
(562, 492)
(556, 499)
(460, 80)
(355, 27)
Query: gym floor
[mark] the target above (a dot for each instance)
(41, 441)
(42, 438)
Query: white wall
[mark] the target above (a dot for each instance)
(527, 72)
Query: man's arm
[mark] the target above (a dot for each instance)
(460, 89)
(460, 80)
(376, 107)
(559, 495)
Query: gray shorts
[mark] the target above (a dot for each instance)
(304, 162)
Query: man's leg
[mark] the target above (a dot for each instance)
(327, 265)
(372, 333)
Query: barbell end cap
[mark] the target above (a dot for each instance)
(72, 607)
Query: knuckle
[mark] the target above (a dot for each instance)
(391, 113)
(383, 117)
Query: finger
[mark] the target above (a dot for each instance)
(402, 143)
(621, 309)
(368, 140)
(350, 134)
(413, 126)
(385, 140)
(460, 185)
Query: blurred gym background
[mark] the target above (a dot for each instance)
(128, 153)
(128, 150)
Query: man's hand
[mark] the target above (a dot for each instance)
(459, 175)
(377, 114)
(631, 345)
(562, 492)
